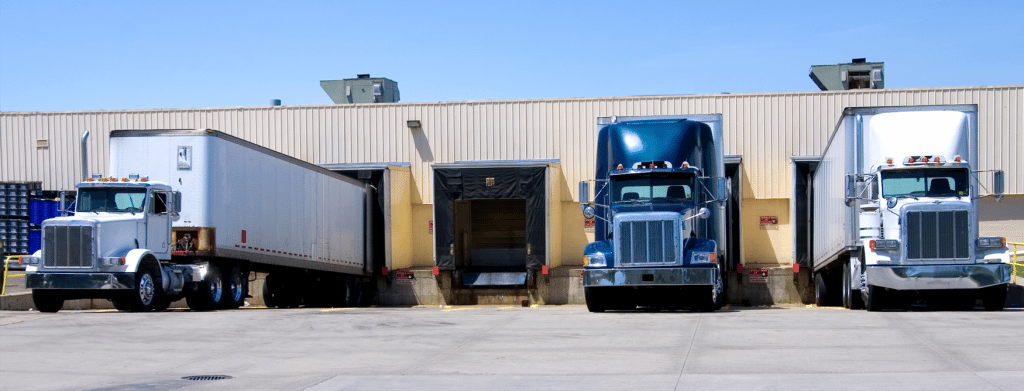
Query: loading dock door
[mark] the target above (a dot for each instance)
(490, 192)
(495, 239)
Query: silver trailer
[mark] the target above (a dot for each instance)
(895, 212)
(191, 213)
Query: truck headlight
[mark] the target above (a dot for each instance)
(992, 242)
(884, 244)
(703, 257)
(595, 260)
(29, 261)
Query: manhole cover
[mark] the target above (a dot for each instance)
(207, 377)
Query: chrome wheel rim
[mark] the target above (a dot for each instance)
(147, 289)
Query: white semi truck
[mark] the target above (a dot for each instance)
(192, 214)
(895, 212)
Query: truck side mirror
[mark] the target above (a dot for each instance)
(997, 187)
(851, 190)
(584, 192)
(174, 205)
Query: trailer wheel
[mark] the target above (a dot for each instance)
(47, 300)
(820, 290)
(210, 292)
(595, 301)
(237, 285)
(994, 298)
(270, 288)
(875, 300)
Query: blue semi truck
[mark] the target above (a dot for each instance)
(660, 212)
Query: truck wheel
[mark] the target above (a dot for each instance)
(995, 298)
(210, 292)
(47, 300)
(820, 290)
(851, 297)
(237, 285)
(875, 300)
(270, 291)
(595, 300)
(146, 293)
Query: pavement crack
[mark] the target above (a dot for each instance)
(947, 357)
(693, 337)
(449, 351)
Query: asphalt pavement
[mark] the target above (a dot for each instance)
(512, 348)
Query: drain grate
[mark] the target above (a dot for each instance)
(207, 377)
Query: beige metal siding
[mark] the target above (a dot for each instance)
(766, 129)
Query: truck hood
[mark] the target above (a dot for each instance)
(93, 219)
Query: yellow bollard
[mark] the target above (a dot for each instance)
(1014, 263)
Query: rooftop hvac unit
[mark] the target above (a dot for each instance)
(362, 89)
(858, 74)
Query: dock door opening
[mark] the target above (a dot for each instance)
(491, 221)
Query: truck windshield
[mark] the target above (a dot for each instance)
(111, 200)
(653, 187)
(925, 182)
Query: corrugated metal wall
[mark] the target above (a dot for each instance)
(766, 129)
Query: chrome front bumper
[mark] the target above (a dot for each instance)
(938, 276)
(83, 281)
(650, 276)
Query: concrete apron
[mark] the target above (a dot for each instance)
(421, 287)
(559, 286)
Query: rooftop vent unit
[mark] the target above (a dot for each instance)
(858, 74)
(362, 89)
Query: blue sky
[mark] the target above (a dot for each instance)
(109, 55)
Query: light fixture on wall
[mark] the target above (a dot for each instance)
(413, 123)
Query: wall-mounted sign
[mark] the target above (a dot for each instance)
(431, 223)
(404, 277)
(588, 225)
(769, 222)
(758, 276)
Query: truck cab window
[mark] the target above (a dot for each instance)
(925, 182)
(111, 200)
(653, 187)
(159, 203)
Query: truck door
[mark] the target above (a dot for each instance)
(158, 228)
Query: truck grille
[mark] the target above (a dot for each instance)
(647, 242)
(933, 235)
(67, 246)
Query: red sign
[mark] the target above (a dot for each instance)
(758, 276)
(431, 227)
(772, 220)
(404, 277)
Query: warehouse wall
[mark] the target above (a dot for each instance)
(766, 129)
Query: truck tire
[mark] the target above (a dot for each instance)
(47, 300)
(851, 297)
(237, 288)
(595, 300)
(209, 293)
(994, 297)
(270, 291)
(820, 290)
(707, 301)
(875, 300)
(147, 291)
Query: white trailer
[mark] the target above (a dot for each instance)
(895, 212)
(191, 213)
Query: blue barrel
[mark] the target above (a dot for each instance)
(42, 209)
(35, 240)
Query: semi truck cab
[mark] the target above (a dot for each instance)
(120, 228)
(917, 230)
(655, 245)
